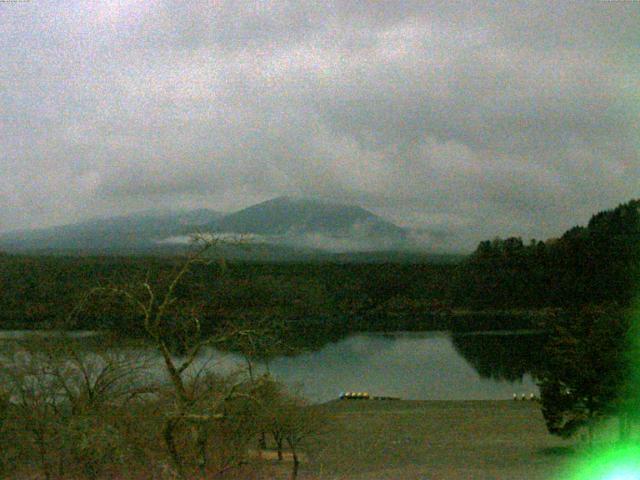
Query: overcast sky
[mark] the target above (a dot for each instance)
(466, 120)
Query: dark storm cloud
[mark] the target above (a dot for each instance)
(463, 121)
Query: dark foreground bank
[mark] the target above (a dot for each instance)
(437, 440)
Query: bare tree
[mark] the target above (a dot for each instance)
(259, 341)
(60, 395)
(63, 394)
(169, 320)
(5, 408)
(299, 423)
(289, 419)
(36, 404)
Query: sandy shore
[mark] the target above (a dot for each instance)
(430, 440)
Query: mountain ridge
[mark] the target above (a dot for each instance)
(108, 232)
(300, 223)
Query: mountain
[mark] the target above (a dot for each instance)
(312, 223)
(281, 228)
(122, 234)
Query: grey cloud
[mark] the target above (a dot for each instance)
(483, 120)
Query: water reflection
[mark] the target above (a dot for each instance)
(411, 365)
(505, 356)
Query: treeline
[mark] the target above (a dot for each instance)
(594, 265)
(37, 292)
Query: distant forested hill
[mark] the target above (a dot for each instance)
(596, 264)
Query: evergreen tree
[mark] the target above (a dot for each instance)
(583, 378)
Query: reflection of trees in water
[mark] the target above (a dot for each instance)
(293, 337)
(502, 357)
(315, 334)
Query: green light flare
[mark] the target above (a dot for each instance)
(616, 461)
(620, 462)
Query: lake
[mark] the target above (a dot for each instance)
(409, 365)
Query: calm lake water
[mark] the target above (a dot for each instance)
(420, 366)
(412, 365)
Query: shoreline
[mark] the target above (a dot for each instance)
(438, 439)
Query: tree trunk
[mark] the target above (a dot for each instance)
(591, 416)
(60, 467)
(174, 375)
(296, 461)
(624, 423)
(279, 444)
(169, 441)
(45, 464)
(42, 450)
(250, 369)
(202, 451)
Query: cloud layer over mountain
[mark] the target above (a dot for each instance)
(461, 121)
